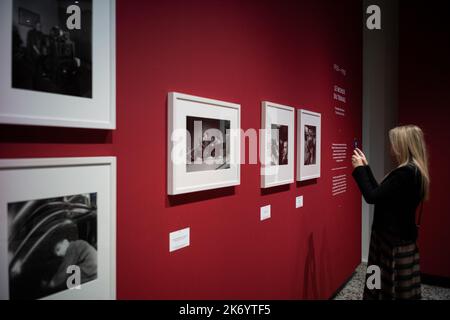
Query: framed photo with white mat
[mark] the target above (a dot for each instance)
(204, 144)
(58, 228)
(277, 144)
(58, 64)
(309, 142)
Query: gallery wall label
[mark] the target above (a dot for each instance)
(339, 152)
(339, 184)
(340, 157)
(340, 100)
(299, 202)
(339, 92)
(179, 239)
(265, 212)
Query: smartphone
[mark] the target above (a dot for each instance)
(356, 144)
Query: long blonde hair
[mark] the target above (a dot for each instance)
(408, 145)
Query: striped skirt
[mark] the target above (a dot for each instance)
(399, 266)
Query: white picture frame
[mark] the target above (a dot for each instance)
(277, 144)
(309, 145)
(31, 185)
(49, 101)
(192, 171)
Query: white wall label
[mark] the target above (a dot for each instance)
(299, 202)
(179, 239)
(265, 212)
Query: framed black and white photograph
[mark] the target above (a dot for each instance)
(308, 137)
(310, 141)
(58, 242)
(277, 144)
(209, 144)
(58, 60)
(203, 144)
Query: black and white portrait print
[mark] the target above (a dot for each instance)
(310, 145)
(208, 144)
(45, 238)
(279, 145)
(52, 46)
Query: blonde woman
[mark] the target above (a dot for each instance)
(394, 231)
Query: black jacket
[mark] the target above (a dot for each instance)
(396, 200)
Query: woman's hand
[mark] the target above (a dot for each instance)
(358, 158)
(362, 156)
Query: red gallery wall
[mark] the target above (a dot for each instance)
(424, 98)
(243, 52)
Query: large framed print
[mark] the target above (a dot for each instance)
(58, 229)
(57, 62)
(308, 138)
(277, 144)
(203, 144)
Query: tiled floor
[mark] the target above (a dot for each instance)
(354, 288)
